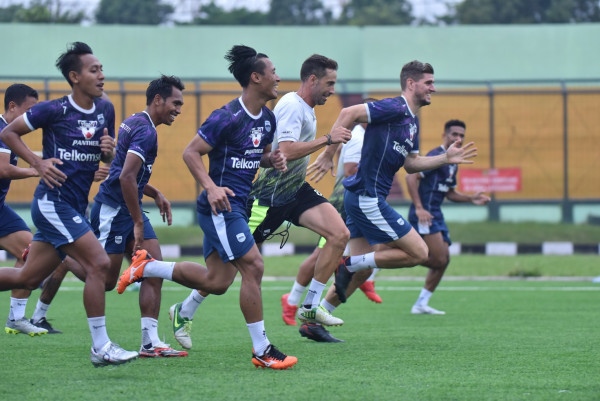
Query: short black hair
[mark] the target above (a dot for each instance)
(316, 65)
(71, 61)
(243, 61)
(454, 123)
(414, 70)
(162, 86)
(18, 93)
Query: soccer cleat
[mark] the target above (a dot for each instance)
(425, 310)
(111, 354)
(318, 315)
(342, 278)
(318, 333)
(182, 327)
(288, 312)
(135, 272)
(368, 287)
(161, 350)
(44, 324)
(273, 359)
(23, 326)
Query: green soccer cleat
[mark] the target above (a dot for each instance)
(182, 327)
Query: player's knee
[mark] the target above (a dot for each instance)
(339, 238)
(422, 255)
(438, 262)
(31, 283)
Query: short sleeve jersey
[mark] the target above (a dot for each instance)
(238, 139)
(71, 134)
(137, 135)
(350, 153)
(296, 122)
(5, 182)
(436, 183)
(392, 133)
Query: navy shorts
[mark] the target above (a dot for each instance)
(11, 222)
(437, 225)
(58, 223)
(114, 227)
(227, 233)
(265, 220)
(373, 219)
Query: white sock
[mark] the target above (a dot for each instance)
(41, 310)
(150, 332)
(372, 276)
(98, 331)
(157, 268)
(17, 308)
(260, 342)
(361, 262)
(424, 297)
(296, 293)
(190, 304)
(330, 308)
(313, 296)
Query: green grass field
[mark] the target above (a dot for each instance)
(500, 340)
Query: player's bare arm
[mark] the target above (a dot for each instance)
(129, 188)
(192, 156)
(415, 163)
(163, 204)
(10, 172)
(11, 136)
(412, 184)
(275, 159)
(107, 146)
(478, 198)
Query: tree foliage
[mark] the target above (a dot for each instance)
(524, 11)
(376, 12)
(135, 12)
(212, 14)
(40, 11)
(298, 12)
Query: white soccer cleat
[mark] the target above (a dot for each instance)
(318, 315)
(111, 354)
(425, 310)
(23, 326)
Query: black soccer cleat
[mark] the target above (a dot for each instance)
(342, 279)
(44, 324)
(318, 333)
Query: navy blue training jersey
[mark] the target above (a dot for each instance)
(238, 139)
(137, 135)
(71, 134)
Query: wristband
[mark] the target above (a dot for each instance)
(328, 139)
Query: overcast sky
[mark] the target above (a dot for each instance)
(184, 8)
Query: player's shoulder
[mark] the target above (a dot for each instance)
(104, 104)
(436, 151)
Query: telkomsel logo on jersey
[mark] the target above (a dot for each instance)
(88, 128)
(256, 135)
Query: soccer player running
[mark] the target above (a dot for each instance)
(380, 237)
(78, 133)
(278, 195)
(14, 233)
(117, 217)
(237, 139)
(428, 189)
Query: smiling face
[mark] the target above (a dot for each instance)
(90, 80)
(324, 87)
(423, 88)
(168, 109)
(454, 133)
(268, 80)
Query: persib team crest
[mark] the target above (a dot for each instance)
(268, 125)
(256, 136)
(88, 128)
(412, 128)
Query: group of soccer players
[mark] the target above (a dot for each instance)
(235, 213)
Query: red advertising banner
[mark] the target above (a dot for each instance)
(490, 180)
